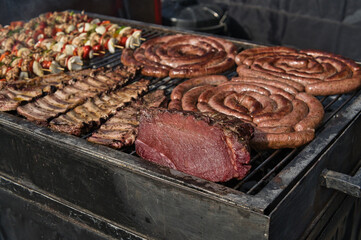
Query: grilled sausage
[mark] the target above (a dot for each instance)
(199, 70)
(315, 113)
(242, 103)
(317, 53)
(204, 107)
(243, 70)
(284, 106)
(281, 140)
(128, 59)
(237, 87)
(175, 104)
(180, 89)
(321, 73)
(299, 111)
(254, 80)
(252, 51)
(181, 56)
(334, 87)
(272, 130)
(268, 104)
(276, 90)
(216, 102)
(190, 98)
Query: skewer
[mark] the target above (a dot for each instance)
(97, 54)
(48, 70)
(137, 45)
(77, 32)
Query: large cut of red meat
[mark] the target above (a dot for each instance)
(213, 147)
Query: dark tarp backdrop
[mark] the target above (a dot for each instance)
(333, 26)
(13, 10)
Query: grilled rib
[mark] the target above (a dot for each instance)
(26, 90)
(90, 114)
(121, 129)
(70, 96)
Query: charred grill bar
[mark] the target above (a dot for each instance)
(107, 192)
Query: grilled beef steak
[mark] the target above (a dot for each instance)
(213, 147)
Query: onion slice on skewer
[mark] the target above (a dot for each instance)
(110, 45)
(55, 67)
(74, 63)
(37, 69)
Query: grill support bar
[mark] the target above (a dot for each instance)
(342, 182)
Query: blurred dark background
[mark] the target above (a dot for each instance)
(333, 26)
(12, 10)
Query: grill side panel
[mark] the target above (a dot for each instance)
(308, 198)
(346, 223)
(26, 214)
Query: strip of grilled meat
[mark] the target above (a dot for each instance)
(74, 94)
(121, 130)
(26, 90)
(94, 110)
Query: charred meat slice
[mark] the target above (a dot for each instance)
(72, 95)
(94, 110)
(213, 147)
(121, 129)
(16, 92)
(26, 90)
(153, 99)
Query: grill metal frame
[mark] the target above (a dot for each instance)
(53, 164)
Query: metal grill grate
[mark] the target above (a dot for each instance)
(265, 164)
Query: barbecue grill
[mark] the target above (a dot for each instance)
(75, 187)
